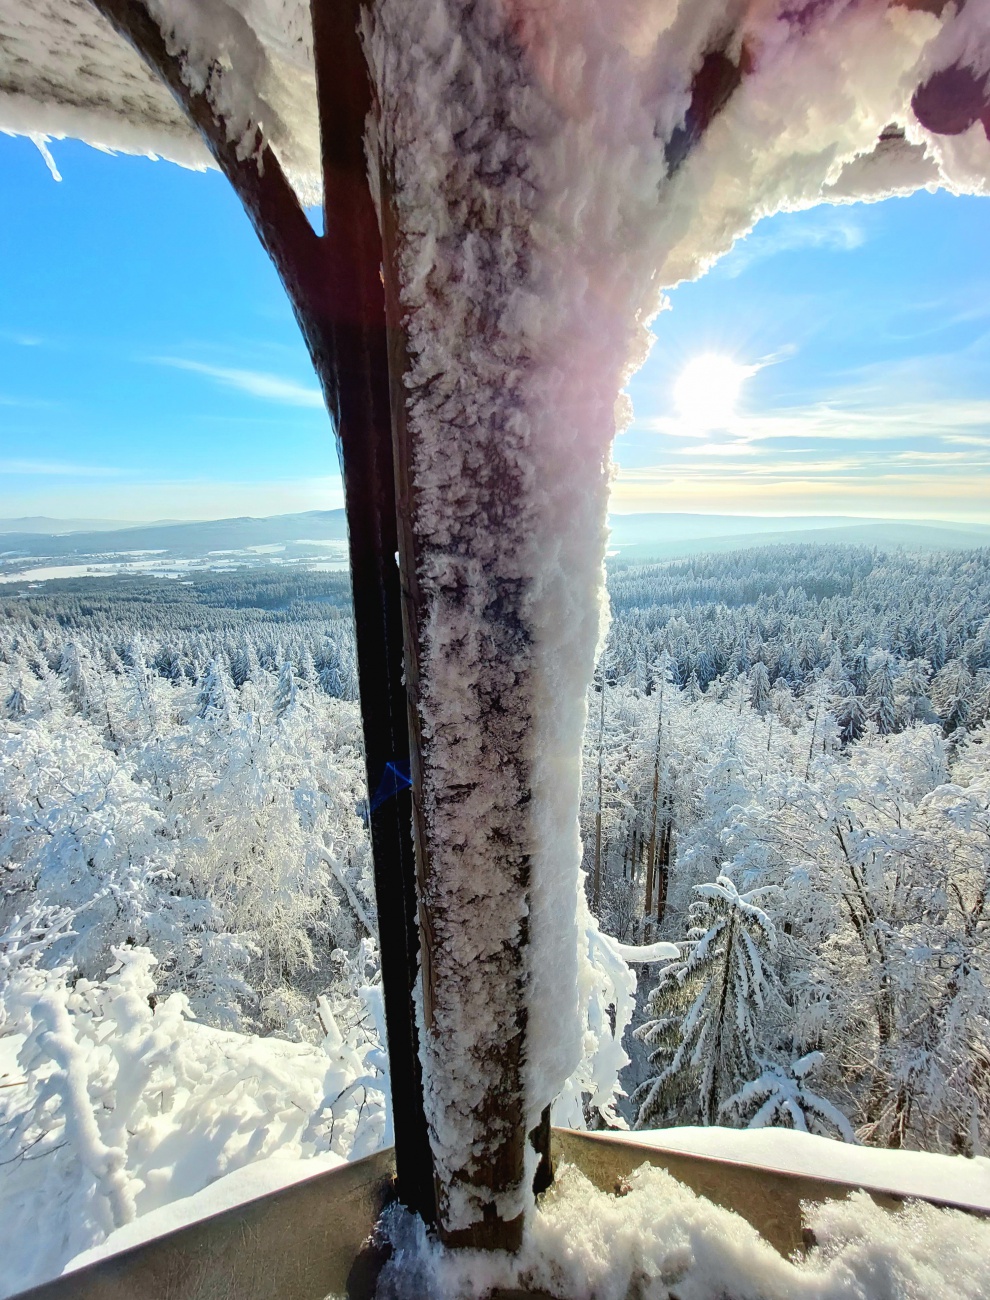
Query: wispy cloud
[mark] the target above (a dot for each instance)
(20, 340)
(59, 469)
(167, 498)
(839, 235)
(26, 403)
(928, 456)
(906, 493)
(948, 420)
(257, 383)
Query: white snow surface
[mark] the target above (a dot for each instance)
(956, 1180)
(124, 1120)
(659, 1239)
(64, 71)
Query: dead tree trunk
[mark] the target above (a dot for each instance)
(651, 849)
(596, 885)
(664, 853)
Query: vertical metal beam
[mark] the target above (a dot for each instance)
(335, 287)
(499, 1114)
(360, 403)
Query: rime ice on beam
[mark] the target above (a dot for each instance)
(64, 71)
(546, 171)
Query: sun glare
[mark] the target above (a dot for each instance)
(707, 390)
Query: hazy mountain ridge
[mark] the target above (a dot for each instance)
(633, 536)
(884, 533)
(51, 526)
(189, 538)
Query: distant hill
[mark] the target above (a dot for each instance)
(45, 524)
(668, 536)
(183, 539)
(634, 537)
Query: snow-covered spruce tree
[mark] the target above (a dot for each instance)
(881, 707)
(952, 690)
(710, 1009)
(213, 699)
(285, 693)
(72, 670)
(759, 688)
(15, 705)
(851, 718)
(781, 1098)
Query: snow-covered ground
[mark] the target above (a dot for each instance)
(330, 557)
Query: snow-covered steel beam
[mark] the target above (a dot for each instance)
(334, 285)
(546, 171)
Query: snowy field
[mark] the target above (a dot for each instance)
(317, 556)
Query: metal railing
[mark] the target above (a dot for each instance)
(311, 1240)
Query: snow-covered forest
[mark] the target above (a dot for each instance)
(189, 978)
(786, 773)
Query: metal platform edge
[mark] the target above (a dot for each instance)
(311, 1240)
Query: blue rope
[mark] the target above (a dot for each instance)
(395, 778)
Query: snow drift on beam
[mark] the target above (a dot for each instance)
(552, 169)
(65, 72)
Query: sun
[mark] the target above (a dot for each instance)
(707, 390)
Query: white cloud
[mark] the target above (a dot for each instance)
(958, 495)
(59, 468)
(174, 499)
(21, 340)
(854, 420)
(258, 383)
(839, 235)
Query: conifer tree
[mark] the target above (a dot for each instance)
(213, 696)
(285, 692)
(74, 677)
(881, 707)
(15, 705)
(851, 718)
(759, 688)
(781, 1098)
(952, 691)
(710, 1008)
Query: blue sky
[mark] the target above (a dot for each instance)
(150, 366)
